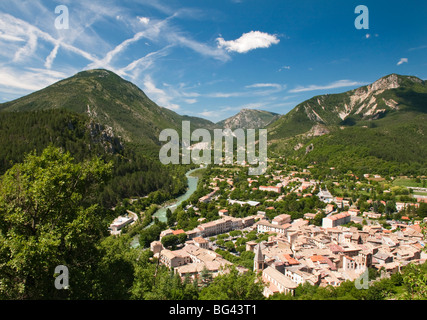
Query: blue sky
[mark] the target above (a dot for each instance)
(213, 58)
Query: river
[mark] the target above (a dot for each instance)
(192, 186)
(161, 213)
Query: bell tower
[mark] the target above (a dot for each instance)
(258, 259)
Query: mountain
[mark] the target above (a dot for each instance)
(118, 105)
(378, 127)
(386, 96)
(97, 113)
(249, 119)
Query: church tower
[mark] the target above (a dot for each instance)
(258, 259)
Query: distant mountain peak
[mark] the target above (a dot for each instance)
(249, 119)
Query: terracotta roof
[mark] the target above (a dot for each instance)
(290, 260)
(317, 258)
(175, 232)
(339, 216)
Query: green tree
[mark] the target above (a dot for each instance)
(415, 281)
(48, 217)
(234, 286)
(115, 272)
(170, 241)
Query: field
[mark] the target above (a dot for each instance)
(407, 182)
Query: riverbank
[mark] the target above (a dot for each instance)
(192, 181)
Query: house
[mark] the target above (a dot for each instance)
(309, 216)
(372, 215)
(276, 282)
(248, 221)
(207, 198)
(325, 196)
(329, 208)
(336, 220)
(265, 226)
(223, 212)
(119, 223)
(156, 247)
(281, 219)
(199, 259)
(242, 203)
(201, 242)
(354, 212)
(166, 232)
(382, 257)
(270, 189)
(173, 259)
(301, 274)
(223, 225)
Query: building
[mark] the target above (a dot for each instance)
(207, 198)
(169, 232)
(119, 223)
(242, 203)
(265, 226)
(201, 242)
(258, 259)
(173, 259)
(223, 225)
(300, 275)
(281, 219)
(156, 247)
(270, 189)
(309, 216)
(325, 196)
(223, 212)
(336, 220)
(277, 282)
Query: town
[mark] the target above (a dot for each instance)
(292, 228)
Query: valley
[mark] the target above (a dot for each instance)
(343, 193)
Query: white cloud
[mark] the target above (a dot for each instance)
(248, 41)
(198, 47)
(191, 101)
(28, 49)
(285, 68)
(266, 85)
(418, 48)
(402, 60)
(225, 94)
(144, 20)
(334, 85)
(209, 114)
(269, 88)
(142, 64)
(9, 37)
(17, 28)
(368, 35)
(158, 95)
(25, 81)
(51, 57)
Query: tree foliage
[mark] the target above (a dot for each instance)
(234, 286)
(49, 217)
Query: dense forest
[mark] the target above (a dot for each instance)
(134, 173)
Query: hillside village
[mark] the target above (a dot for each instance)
(294, 250)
